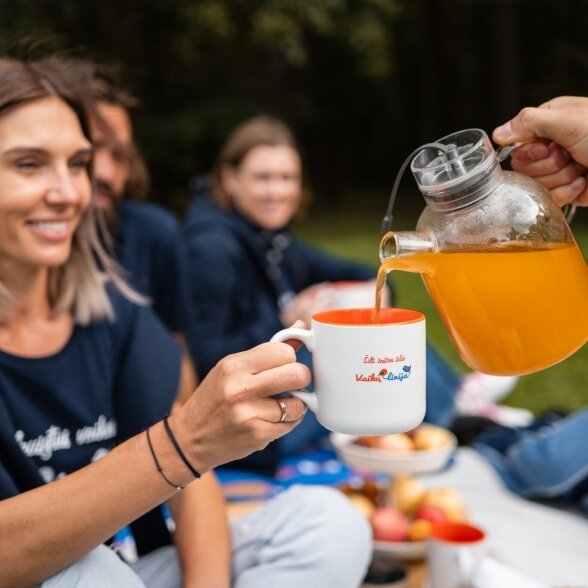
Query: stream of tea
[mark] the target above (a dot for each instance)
(510, 310)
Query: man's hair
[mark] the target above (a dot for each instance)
(97, 83)
(251, 133)
(77, 286)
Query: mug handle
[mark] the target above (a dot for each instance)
(467, 565)
(307, 337)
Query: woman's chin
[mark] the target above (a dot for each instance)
(273, 222)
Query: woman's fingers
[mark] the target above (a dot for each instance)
(285, 409)
(539, 158)
(575, 191)
(558, 120)
(256, 360)
(280, 379)
(528, 152)
(562, 176)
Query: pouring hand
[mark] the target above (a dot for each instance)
(553, 167)
(556, 146)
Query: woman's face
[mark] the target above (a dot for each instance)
(266, 187)
(44, 183)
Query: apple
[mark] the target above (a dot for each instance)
(431, 513)
(397, 442)
(448, 500)
(389, 524)
(406, 494)
(431, 437)
(364, 504)
(420, 530)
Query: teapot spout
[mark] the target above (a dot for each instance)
(404, 244)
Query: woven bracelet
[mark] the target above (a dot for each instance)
(176, 486)
(178, 449)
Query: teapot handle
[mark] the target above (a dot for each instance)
(569, 210)
(387, 220)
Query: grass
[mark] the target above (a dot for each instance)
(352, 231)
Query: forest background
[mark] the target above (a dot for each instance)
(362, 82)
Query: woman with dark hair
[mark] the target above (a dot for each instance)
(87, 375)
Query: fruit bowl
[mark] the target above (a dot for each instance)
(402, 514)
(401, 551)
(396, 460)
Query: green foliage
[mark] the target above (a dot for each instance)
(362, 82)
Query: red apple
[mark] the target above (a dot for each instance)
(431, 513)
(389, 524)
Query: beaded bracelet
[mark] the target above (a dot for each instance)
(176, 486)
(178, 449)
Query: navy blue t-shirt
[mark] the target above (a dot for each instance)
(59, 413)
(150, 250)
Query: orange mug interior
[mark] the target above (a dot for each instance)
(456, 533)
(368, 316)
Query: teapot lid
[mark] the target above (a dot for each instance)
(445, 171)
(455, 164)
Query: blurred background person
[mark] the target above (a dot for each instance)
(144, 237)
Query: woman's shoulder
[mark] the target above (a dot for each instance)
(147, 217)
(131, 321)
(125, 312)
(209, 229)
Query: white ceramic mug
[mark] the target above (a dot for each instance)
(350, 294)
(454, 554)
(369, 377)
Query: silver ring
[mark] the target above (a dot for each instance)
(283, 408)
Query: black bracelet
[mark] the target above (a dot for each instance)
(176, 486)
(178, 449)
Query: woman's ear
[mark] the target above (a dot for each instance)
(229, 179)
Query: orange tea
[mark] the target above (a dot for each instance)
(510, 310)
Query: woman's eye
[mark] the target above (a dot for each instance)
(27, 165)
(79, 164)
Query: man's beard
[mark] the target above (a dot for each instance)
(108, 204)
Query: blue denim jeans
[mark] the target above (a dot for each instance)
(305, 536)
(548, 459)
(442, 384)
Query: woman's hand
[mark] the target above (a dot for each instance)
(307, 303)
(232, 413)
(555, 146)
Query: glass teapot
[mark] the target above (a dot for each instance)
(496, 255)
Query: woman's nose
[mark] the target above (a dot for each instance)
(64, 189)
(105, 167)
(278, 186)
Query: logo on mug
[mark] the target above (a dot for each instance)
(385, 374)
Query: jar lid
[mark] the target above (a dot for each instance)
(467, 154)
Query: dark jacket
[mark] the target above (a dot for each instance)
(240, 276)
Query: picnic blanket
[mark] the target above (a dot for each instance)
(544, 542)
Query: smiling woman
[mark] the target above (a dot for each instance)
(48, 228)
(87, 376)
(46, 159)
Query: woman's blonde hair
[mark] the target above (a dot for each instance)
(79, 285)
(253, 132)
